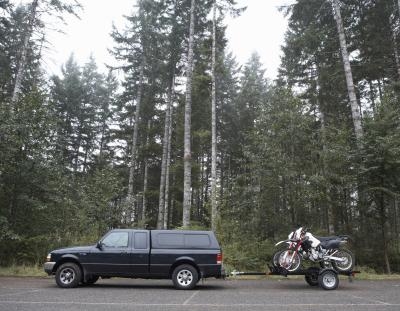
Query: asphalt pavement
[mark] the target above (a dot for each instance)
(42, 294)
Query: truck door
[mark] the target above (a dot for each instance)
(140, 253)
(114, 256)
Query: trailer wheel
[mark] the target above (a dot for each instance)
(312, 276)
(328, 279)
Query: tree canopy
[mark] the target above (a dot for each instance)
(86, 151)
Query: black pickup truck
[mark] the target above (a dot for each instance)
(183, 256)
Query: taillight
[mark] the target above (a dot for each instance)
(219, 258)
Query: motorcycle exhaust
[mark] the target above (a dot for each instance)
(334, 258)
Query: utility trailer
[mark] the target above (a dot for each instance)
(326, 278)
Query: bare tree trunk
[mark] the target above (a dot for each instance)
(355, 111)
(328, 212)
(146, 173)
(392, 21)
(24, 52)
(166, 211)
(167, 124)
(396, 221)
(396, 53)
(132, 165)
(187, 157)
(398, 4)
(77, 151)
(214, 212)
(380, 90)
(171, 209)
(372, 96)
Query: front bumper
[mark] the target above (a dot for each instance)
(48, 267)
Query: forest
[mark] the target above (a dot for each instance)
(180, 135)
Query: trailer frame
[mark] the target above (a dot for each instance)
(326, 278)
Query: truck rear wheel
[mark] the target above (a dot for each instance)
(68, 275)
(185, 277)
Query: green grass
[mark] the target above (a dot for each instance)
(370, 274)
(23, 271)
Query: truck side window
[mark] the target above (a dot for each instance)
(140, 240)
(197, 240)
(116, 239)
(166, 240)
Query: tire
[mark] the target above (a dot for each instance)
(185, 277)
(91, 280)
(347, 265)
(275, 258)
(289, 260)
(328, 279)
(68, 275)
(312, 279)
(312, 276)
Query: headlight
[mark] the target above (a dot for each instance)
(48, 258)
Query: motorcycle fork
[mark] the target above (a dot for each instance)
(296, 250)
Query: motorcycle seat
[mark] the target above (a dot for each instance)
(327, 238)
(331, 244)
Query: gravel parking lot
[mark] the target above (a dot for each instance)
(234, 294)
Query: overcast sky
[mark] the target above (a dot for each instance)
(260, 28)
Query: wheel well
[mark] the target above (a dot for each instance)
(184, 262)
(68, 259)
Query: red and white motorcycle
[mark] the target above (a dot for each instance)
(327, 251)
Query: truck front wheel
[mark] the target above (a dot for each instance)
(185, 277)
(68, 275)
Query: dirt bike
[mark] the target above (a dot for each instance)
(327, 251)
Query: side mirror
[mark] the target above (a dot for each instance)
(99, 245)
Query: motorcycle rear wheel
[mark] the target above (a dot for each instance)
(275, 258)
(289, 260)
(348, 264)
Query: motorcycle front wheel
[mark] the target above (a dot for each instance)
(347, 263)
(290, 260)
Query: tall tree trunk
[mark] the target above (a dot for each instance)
(328, 212)
(171, 208)
(24, 52)
(166, 210)
(398, 5)
(355, 111)
(392, 21)
(214, 212)
(396, 54)
(383, 218)
(372, 96)
(102, 139)
(78, 146)
(187, 157)
(396, 221)
(146, 173)
(167, 125)
(132, 165)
